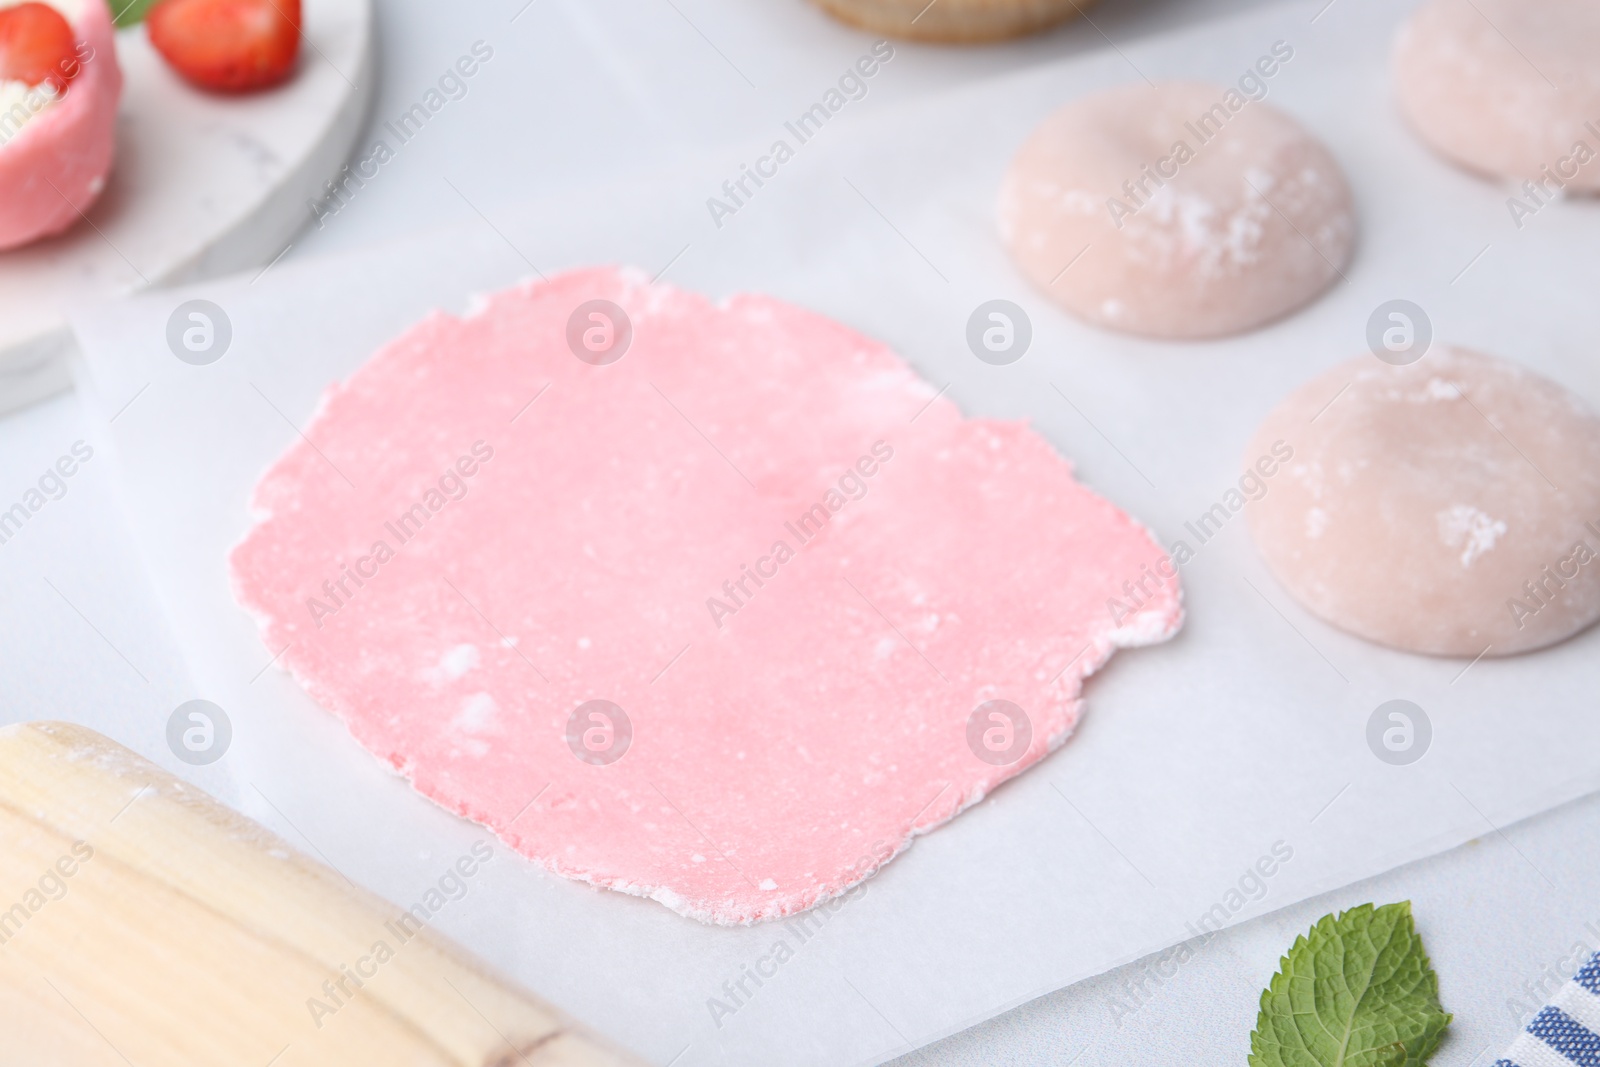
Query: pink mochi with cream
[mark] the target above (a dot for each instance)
(792, 576)
(54, 158)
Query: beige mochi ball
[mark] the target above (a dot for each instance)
(1180, 210)
(1447, 507)
(1508, 88)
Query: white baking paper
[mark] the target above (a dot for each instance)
(1196, 759)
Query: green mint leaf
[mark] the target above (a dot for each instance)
(130, 12)
(1357, 991)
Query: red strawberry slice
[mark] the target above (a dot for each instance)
(229, 46)
(37, 46)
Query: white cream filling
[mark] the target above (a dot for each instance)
(20, 104)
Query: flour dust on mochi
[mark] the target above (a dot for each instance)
(709, 622)
(1507, 88)
(1449, 507)
(1179, 210)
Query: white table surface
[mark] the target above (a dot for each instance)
(581, 90)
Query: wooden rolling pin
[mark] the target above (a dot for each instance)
(141, 921)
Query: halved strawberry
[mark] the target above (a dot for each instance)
(230, 46)
(37, 46)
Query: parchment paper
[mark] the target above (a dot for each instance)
(1195, 758)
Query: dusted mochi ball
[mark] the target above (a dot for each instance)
(56, 148)
(1508, 88)
(1179, 210)
(1447, 507)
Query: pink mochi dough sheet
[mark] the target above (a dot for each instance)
(580, 532)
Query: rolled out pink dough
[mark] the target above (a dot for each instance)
(1449, 507)
(794, 569)
(1508, 88)
(1178, 210)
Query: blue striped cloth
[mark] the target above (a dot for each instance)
(1566, 1032)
